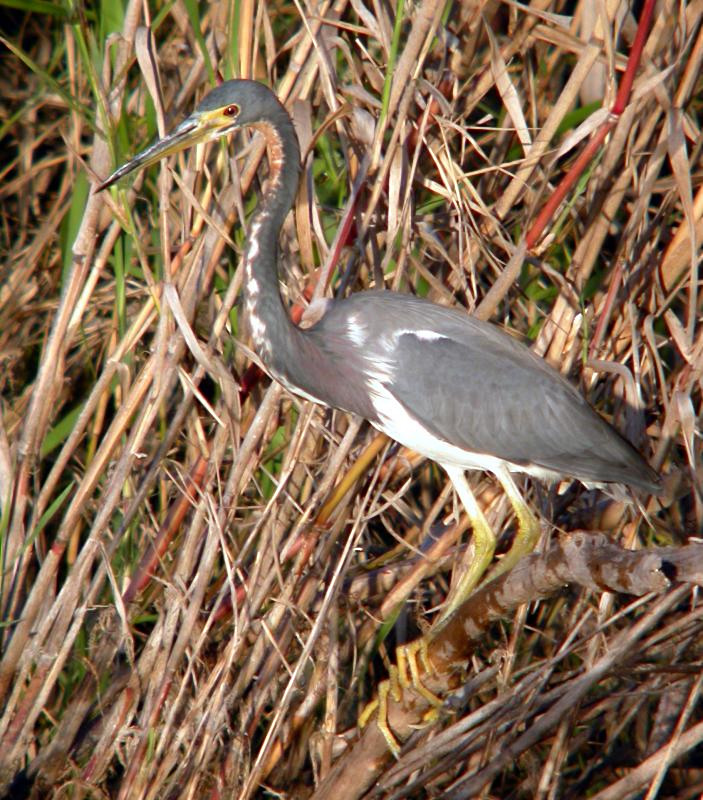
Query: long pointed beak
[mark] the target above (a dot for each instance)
(189, 132)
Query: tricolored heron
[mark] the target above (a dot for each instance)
(451, 387)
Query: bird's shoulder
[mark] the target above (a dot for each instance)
(416, 329)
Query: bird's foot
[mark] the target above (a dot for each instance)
(412, 662)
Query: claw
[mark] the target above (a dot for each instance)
(393, 685)
(405, 674)
(382, 720)
(369, 709)
(407, 659)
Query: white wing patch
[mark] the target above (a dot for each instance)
(356, 330)
(420, 333)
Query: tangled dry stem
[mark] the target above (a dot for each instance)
(200, 573)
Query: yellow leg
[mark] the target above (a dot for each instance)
(528, 531)
(479, 555)
(412, 660)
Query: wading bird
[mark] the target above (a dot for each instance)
(451, 387)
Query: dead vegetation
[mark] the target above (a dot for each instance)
(203, 578)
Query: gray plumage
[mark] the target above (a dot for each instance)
(474, 386)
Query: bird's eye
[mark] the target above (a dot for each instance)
(231, 111)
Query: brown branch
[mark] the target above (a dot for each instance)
(585, 559)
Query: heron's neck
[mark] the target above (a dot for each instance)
(269, 324)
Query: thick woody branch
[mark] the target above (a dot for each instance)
(585, 559)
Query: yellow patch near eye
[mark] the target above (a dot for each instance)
(217, 117)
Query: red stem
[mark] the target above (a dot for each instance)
(580, 164)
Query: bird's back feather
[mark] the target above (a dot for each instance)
(471, 385)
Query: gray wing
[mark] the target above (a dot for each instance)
(489, 394)
(469, 384)
(476, 387)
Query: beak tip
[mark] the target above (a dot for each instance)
(186, 134)
(110, 180)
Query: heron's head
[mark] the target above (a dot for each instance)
(229, 106)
